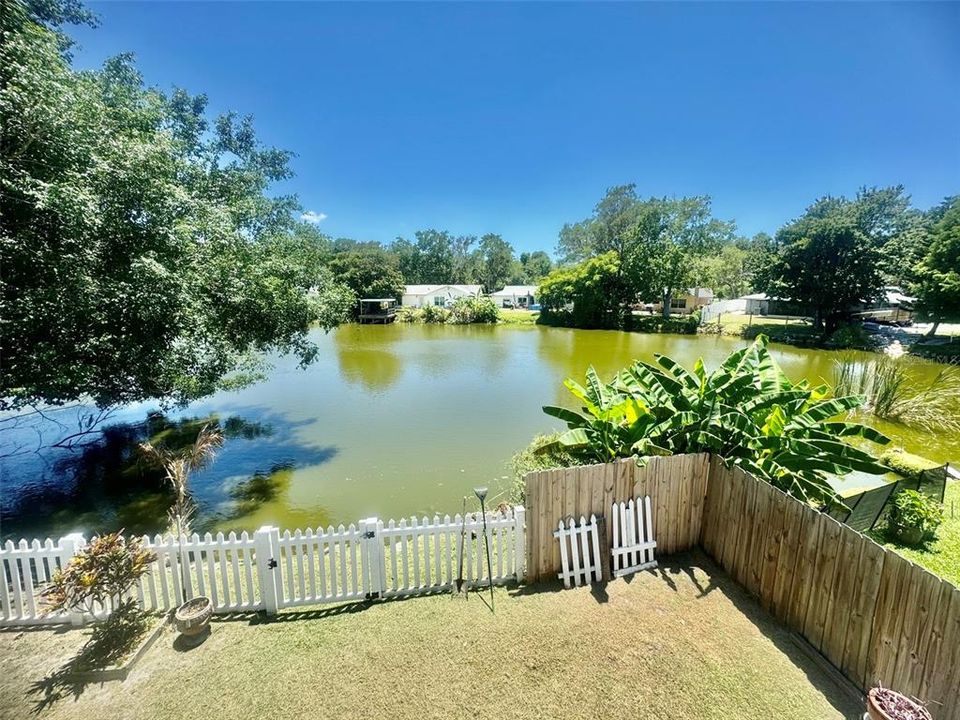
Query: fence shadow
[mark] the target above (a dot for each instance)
(840, 692)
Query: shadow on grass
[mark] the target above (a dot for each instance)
(110, 642)
(835, 687)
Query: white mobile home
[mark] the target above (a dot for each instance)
(439, 295)
(515, 296)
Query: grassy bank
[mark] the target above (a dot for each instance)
(518, 317)
(682, 643)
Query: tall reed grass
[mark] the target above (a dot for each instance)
(894, 389)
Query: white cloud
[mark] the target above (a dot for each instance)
(314, 218)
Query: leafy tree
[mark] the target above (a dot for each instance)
(497, 255)
(588, 294)
(747, 411)
(369, 270)
(437, 257)
(536, 265)
(826, 263)
(726, 272)
(938, 288)
(138, 242)
(657, 241)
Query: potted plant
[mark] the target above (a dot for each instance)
(913, 517)
(192, 618)
(884, 704)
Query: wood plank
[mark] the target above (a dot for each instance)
(804, 570)
(758, 536)
(917, 630)
(742, 551)
(942, 666)
(665, 531)
(888, 616)
(734, 496)
(790, 552)
(843, 595)
(683, 482)
(867, 585)
(776, 508)
(814, 627)
(711, 507)
(698, 502)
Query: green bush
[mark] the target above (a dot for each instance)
(907, 465)
(435, 314)
(468, 310)
(407, 314)
(679, 324)
(543, 453)
(914, 517)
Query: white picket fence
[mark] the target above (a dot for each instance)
(633, 542)
(579, 551)
(269, 570)
(713, 311)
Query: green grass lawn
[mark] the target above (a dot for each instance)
(518, 317)
(942, 556)
(685, 642)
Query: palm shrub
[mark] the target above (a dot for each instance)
(179, 463)
(747, 411)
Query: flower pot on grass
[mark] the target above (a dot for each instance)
(908, 535)
(884, 704)
(192, 619)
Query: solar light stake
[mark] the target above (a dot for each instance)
(481, 493)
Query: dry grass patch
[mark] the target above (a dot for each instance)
(681, 643)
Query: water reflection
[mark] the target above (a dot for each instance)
(108, 484)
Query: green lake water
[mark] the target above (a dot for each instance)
(390, 421)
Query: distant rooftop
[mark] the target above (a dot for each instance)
(427, 289)
(511, 290)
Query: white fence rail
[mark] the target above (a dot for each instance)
(579, 551)
(633, 542)
(269, 570)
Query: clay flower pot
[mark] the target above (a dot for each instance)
(883, 704)
(908, 535)
(192, 618)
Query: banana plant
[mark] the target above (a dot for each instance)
(747, 411)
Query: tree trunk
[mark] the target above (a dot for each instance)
(933, 328)
(667, 299)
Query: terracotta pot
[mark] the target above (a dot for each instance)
(193, 617)
(875, 711)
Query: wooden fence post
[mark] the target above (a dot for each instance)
(69, 546)
(520, 551)
(267, 546)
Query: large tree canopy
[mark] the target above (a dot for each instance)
(825, 263)
(938, 286)
(657, 241)
(142, 255)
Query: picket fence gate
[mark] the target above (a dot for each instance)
(579, 551)
(269, 570)
(633, 542)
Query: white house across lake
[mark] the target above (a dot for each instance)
(515, 296)
(439, 295)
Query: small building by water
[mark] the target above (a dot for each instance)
(378, 310)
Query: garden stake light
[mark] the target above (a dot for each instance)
(481, 493)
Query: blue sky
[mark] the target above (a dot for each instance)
(514, 118)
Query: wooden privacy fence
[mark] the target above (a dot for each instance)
(676, 486)
(269, 570)
(876, 616)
